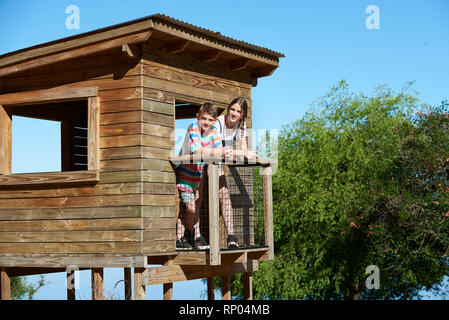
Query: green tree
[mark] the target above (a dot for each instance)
(362, 180)
(20, 288)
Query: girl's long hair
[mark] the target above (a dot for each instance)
(244, 105)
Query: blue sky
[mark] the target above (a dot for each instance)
(324, 42)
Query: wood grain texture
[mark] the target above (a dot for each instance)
(5, 141)
(50, 178)
(175, 273)
(74, 53)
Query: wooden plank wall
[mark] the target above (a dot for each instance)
(182, 77)
(100, 219)
(131, 211)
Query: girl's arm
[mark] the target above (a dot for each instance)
(244, 152)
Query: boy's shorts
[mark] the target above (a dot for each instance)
(186, 197)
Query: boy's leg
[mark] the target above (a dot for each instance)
(185, 220)
(200, 241)
(180, 227)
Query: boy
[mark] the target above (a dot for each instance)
(202, 138)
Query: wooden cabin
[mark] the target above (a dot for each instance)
(116, 92)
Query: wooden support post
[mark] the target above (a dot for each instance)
(210, 289)
(5, 285)
(93, 118)
(268, 208)
(248, 286)
(168, 291)
(70, 284)
(97, 284)
(139, 289)
(128, 285)
(5, 141)
(226, 287)
(214, 212)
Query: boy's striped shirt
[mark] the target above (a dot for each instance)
(188, 176)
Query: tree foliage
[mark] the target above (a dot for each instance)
(20, 288)
(362, 180)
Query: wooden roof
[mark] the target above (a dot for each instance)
(177, 36)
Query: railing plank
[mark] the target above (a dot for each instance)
(214, 212)
(268, 206)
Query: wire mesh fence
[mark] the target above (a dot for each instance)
(241, 202)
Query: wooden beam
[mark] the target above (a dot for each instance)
(226, 287)
(210, 288)
(168, 291)
(5, 141)
(131, 51)
(177, 46)
(268, 208)
(264, 71)
(139, 286)
(47, 95)
(163, 27)
(239, 64)
(97, 283)
(74, 53)
(5, 285)
(93, 135)
(214, 212)
(248, 286)
(74, 42)
(28, 271)
(23, 263)
(210, 55)
(128, 284)
(175, 273)
(50, 178)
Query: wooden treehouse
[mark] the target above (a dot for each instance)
(116, 92)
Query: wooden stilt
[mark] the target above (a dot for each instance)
(5, 285)
(168, 291)
(210, 289)
(248, 286)
(128, 285)
(70, 284)
(139, 289)
(97, 284)
(226, 287)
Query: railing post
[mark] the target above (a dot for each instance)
(268, 208)
(214, 212)
(97, 283)
(5, 284)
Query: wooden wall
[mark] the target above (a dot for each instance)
(131, 211)
(182, 77)
(87, 220)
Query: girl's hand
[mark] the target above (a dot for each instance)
(251, 155)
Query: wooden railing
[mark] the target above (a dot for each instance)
(214, 204)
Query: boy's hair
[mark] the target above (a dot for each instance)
(209, 108)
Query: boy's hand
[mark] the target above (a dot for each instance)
(227, 152)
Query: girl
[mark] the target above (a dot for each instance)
(232, 128)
